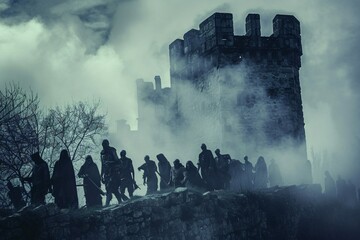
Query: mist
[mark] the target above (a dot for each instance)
(73, 51)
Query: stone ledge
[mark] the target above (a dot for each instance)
(275, 213)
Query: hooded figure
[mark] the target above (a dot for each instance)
(261, 174)
(192, 177)
(90, 173)
(63, 181)
(164, 170)
(40, 180)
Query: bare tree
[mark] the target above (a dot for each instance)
(17, 137)
(25, 129)
(74, 128)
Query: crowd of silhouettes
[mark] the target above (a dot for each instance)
(345, 191)
(117, 174)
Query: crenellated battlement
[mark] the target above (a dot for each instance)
(217, 32)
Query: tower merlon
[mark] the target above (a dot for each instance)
(286, 25)
(252, 25)
(217, 30)
(191, 41)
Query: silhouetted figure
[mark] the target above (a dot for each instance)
(329, 185)
(275, 178)
(207, 166)
(177, 174)
(40, 180)
(237, 173)
(192, 178)
(64, 183)
(261, 174)
(164, 171)
(110, 172)
(127, 175)
(15, 196)
(249, 175)
(341, 188)
(351, 193)
(92, 182)
(222, 166)
(149, 175)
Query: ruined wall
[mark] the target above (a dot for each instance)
(283, 213)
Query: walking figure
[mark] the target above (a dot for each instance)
(207, 167)
(249, 174)
(164, 171)
(261, 174)
(92, 182)
(40, 180)
(64, 183)
(149, 175)
(110, 172)
(177, 174)
(127, 175)
(222, 166)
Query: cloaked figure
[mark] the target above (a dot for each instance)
(177, 174)
(110, 172)
(330, 188)
(164, 171)
(92, 182)
(64, 183)
(237, 173)
(275, 178)
(40, 180)
(249, 175)
(207, 166)
(127, 175)
(192, 177)
(351, 193)
(341, 188)
(222, 166)
(149, 175)
(261, 174)
(15, 196)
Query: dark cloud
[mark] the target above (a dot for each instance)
(95, 17)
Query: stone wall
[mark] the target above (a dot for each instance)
(277, 213)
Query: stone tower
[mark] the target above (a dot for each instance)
(253, 80)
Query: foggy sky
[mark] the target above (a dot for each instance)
(84, 50)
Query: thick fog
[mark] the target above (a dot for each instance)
(85, 50)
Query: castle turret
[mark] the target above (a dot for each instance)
(157, 83)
